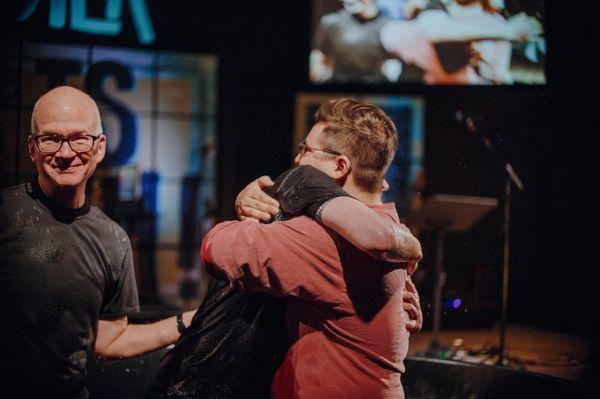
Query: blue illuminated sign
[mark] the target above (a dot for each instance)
(110, 25)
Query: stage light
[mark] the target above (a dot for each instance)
(456, 303)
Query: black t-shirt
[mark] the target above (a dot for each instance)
(231, 349)
(353, 45)
(60, 271)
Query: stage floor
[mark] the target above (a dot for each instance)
(528, 348)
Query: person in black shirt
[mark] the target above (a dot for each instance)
(346, 46)
(66, 270)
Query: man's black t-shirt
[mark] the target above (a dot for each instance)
(232, 348)
(353, 45)
(60, 271)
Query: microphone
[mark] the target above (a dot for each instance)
(468, 120)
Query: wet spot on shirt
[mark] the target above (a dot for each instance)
(49, 250)
(18, 218)
(78, 359)
(22, 218)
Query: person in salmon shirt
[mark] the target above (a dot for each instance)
(237, 340)
(345, 316)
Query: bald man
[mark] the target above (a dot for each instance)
(66, 271)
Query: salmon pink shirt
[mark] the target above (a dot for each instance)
(345, 318)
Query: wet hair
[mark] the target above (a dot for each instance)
(363, 133)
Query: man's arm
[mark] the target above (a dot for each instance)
(321, 67)
(441, 27)
(378, 236)
(117, 338)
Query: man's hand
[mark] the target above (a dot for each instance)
(524, 27)
(412, 306)
(253, 203)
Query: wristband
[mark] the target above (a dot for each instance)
(180, 324)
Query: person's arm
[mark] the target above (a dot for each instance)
(379, 237)
(118, 339)
(441, 27)
(321, 67)
(305, 190)
(320, 59)
(115, 337)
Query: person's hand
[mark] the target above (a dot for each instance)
(253, 203)
(524, 27)
(412, 306)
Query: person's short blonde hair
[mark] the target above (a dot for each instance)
(363, 133)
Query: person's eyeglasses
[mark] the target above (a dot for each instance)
(50, 143)
(303, 149)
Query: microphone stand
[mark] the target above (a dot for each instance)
(511, 178)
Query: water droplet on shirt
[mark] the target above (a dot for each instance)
(19, 217)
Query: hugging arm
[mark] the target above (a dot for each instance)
(306, 190)
(380, 237)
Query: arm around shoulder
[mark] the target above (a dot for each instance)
(381, 238)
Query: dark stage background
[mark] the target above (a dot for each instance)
(549, 133)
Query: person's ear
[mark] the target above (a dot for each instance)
(101, 150)
(385, 186)
(342, 167)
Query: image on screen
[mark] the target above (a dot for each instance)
(431, 42)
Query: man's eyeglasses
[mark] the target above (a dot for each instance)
(50, 143)
(303, 149)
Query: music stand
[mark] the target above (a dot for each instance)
(445, 213)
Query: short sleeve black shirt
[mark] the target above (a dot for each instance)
(60, 271)
(353, 45)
